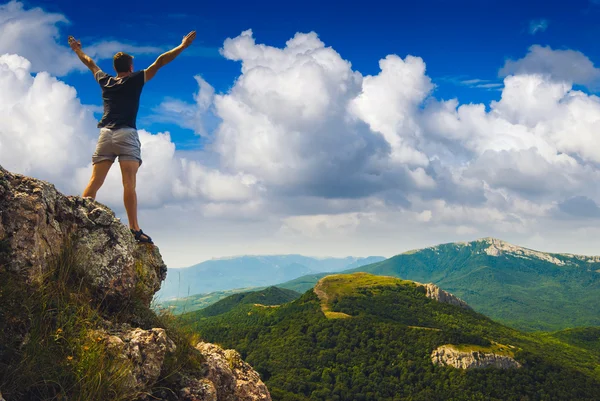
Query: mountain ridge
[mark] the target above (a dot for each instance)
(528, 289)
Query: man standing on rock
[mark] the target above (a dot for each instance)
(118, 132)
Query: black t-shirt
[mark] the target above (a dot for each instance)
(121, 98)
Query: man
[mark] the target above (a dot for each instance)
(118, 132)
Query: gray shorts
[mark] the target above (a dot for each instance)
(121, 142)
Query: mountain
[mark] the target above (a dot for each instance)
(365, 337)
(271, 296)
(249, 271)
(523, 288)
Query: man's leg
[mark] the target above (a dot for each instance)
(99, 172)
(129, 169)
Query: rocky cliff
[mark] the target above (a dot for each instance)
(447, 355)
(435, 292)
(109, 280)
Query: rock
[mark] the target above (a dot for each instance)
(248, 384)
(234, 379)
(198, 390)
(218, 370)
(435, 292)
(36, 221)
(147, 350)
(446, 355)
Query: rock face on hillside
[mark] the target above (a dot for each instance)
(447, 355)
(37, 222)
(435, 292)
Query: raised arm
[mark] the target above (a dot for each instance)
(85, 59)
(169, 56)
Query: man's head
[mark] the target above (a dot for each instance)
(123, 62)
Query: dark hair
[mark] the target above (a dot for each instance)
(122, 62)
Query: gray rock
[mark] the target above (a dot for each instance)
(37, 221)
(446, 355)
(233, 378)
(435, 292)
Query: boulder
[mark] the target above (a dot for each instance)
(37, 222)
(234, 379)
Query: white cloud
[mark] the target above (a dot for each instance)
(44, 129)
(389, 102)
(560, 65)
(286, 121)
(477, 83)
(538, 25)
(194, 116)
(35, 34)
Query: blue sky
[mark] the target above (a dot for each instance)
(459, 40)
(323, 128)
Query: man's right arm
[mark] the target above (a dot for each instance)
(85, 59)
(169, 56)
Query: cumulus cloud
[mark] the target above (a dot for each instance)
(35, 34)
(195, 116)
(560, 65)
(286, 121)
(44, 129)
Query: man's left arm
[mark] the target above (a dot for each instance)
(85, 59)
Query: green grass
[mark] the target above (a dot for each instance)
(334, 287)
(494, 348)
(340, 285)
(59, 359)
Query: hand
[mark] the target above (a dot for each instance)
(188, 39)
(74, 43)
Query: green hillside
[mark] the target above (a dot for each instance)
(583, 337)
(362, 337)
(271, 296)
(198, 301)
(522, 288)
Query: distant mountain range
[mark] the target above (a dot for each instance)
(249, 271)
(523, 288)
(366, 337)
